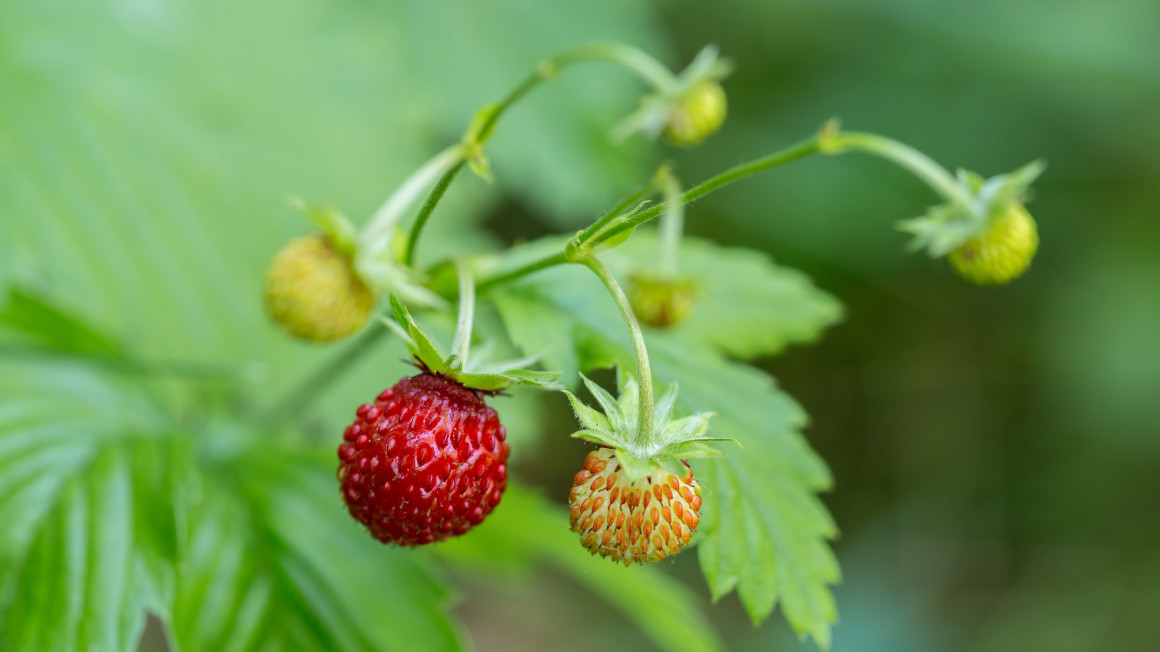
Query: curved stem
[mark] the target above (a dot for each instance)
(377, 233)
(645, 432)
(644, 65)
(905, 156)
(425, 212)
(640, 62)
(481, 134)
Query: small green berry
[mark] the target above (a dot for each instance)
(1002, 253)
(697, 114)
(660, 301)
(313, 292)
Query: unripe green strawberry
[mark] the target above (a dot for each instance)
(1000, 254)
(313, 292)
(660, 302)
(639, 521)
(697, 114)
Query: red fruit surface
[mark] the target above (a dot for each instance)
(425, 462)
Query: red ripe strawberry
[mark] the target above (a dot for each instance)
(425, 462)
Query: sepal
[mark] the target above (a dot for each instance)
(615, 426)
(948, 226)
(331, 222)
(477, 374)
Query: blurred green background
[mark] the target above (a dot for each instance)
(996, 451)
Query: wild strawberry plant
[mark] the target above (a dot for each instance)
(226, 521)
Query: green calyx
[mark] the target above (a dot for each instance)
(473, 373)
(616, 425)
(950, 225)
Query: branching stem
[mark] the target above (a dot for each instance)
(640, 62)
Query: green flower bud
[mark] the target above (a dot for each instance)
(697, 114)
(313, 292)
(1002, 252)
(660, 301)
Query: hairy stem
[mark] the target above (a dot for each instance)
(522, 271)
(645, 435)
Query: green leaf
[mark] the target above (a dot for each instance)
(90, 529)
(763, 531)
(746, 304)
(39, 322)
(275, 562)
(528, 531)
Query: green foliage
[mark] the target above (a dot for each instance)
(136, 475)
(89, 536)
(286, 568)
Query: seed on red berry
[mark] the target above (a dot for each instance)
(428, 461)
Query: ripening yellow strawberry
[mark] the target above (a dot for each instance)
(635, 500)
(313, 291)
(1002, 253)
(696, 114)
(633, 521)
(659, 301)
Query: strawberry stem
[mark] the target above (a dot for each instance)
(906, 157)
(645, 433)
(376, 236)
(462, 342)
(610, 228)
(648, 68)
(627, 204)
(672, 222)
